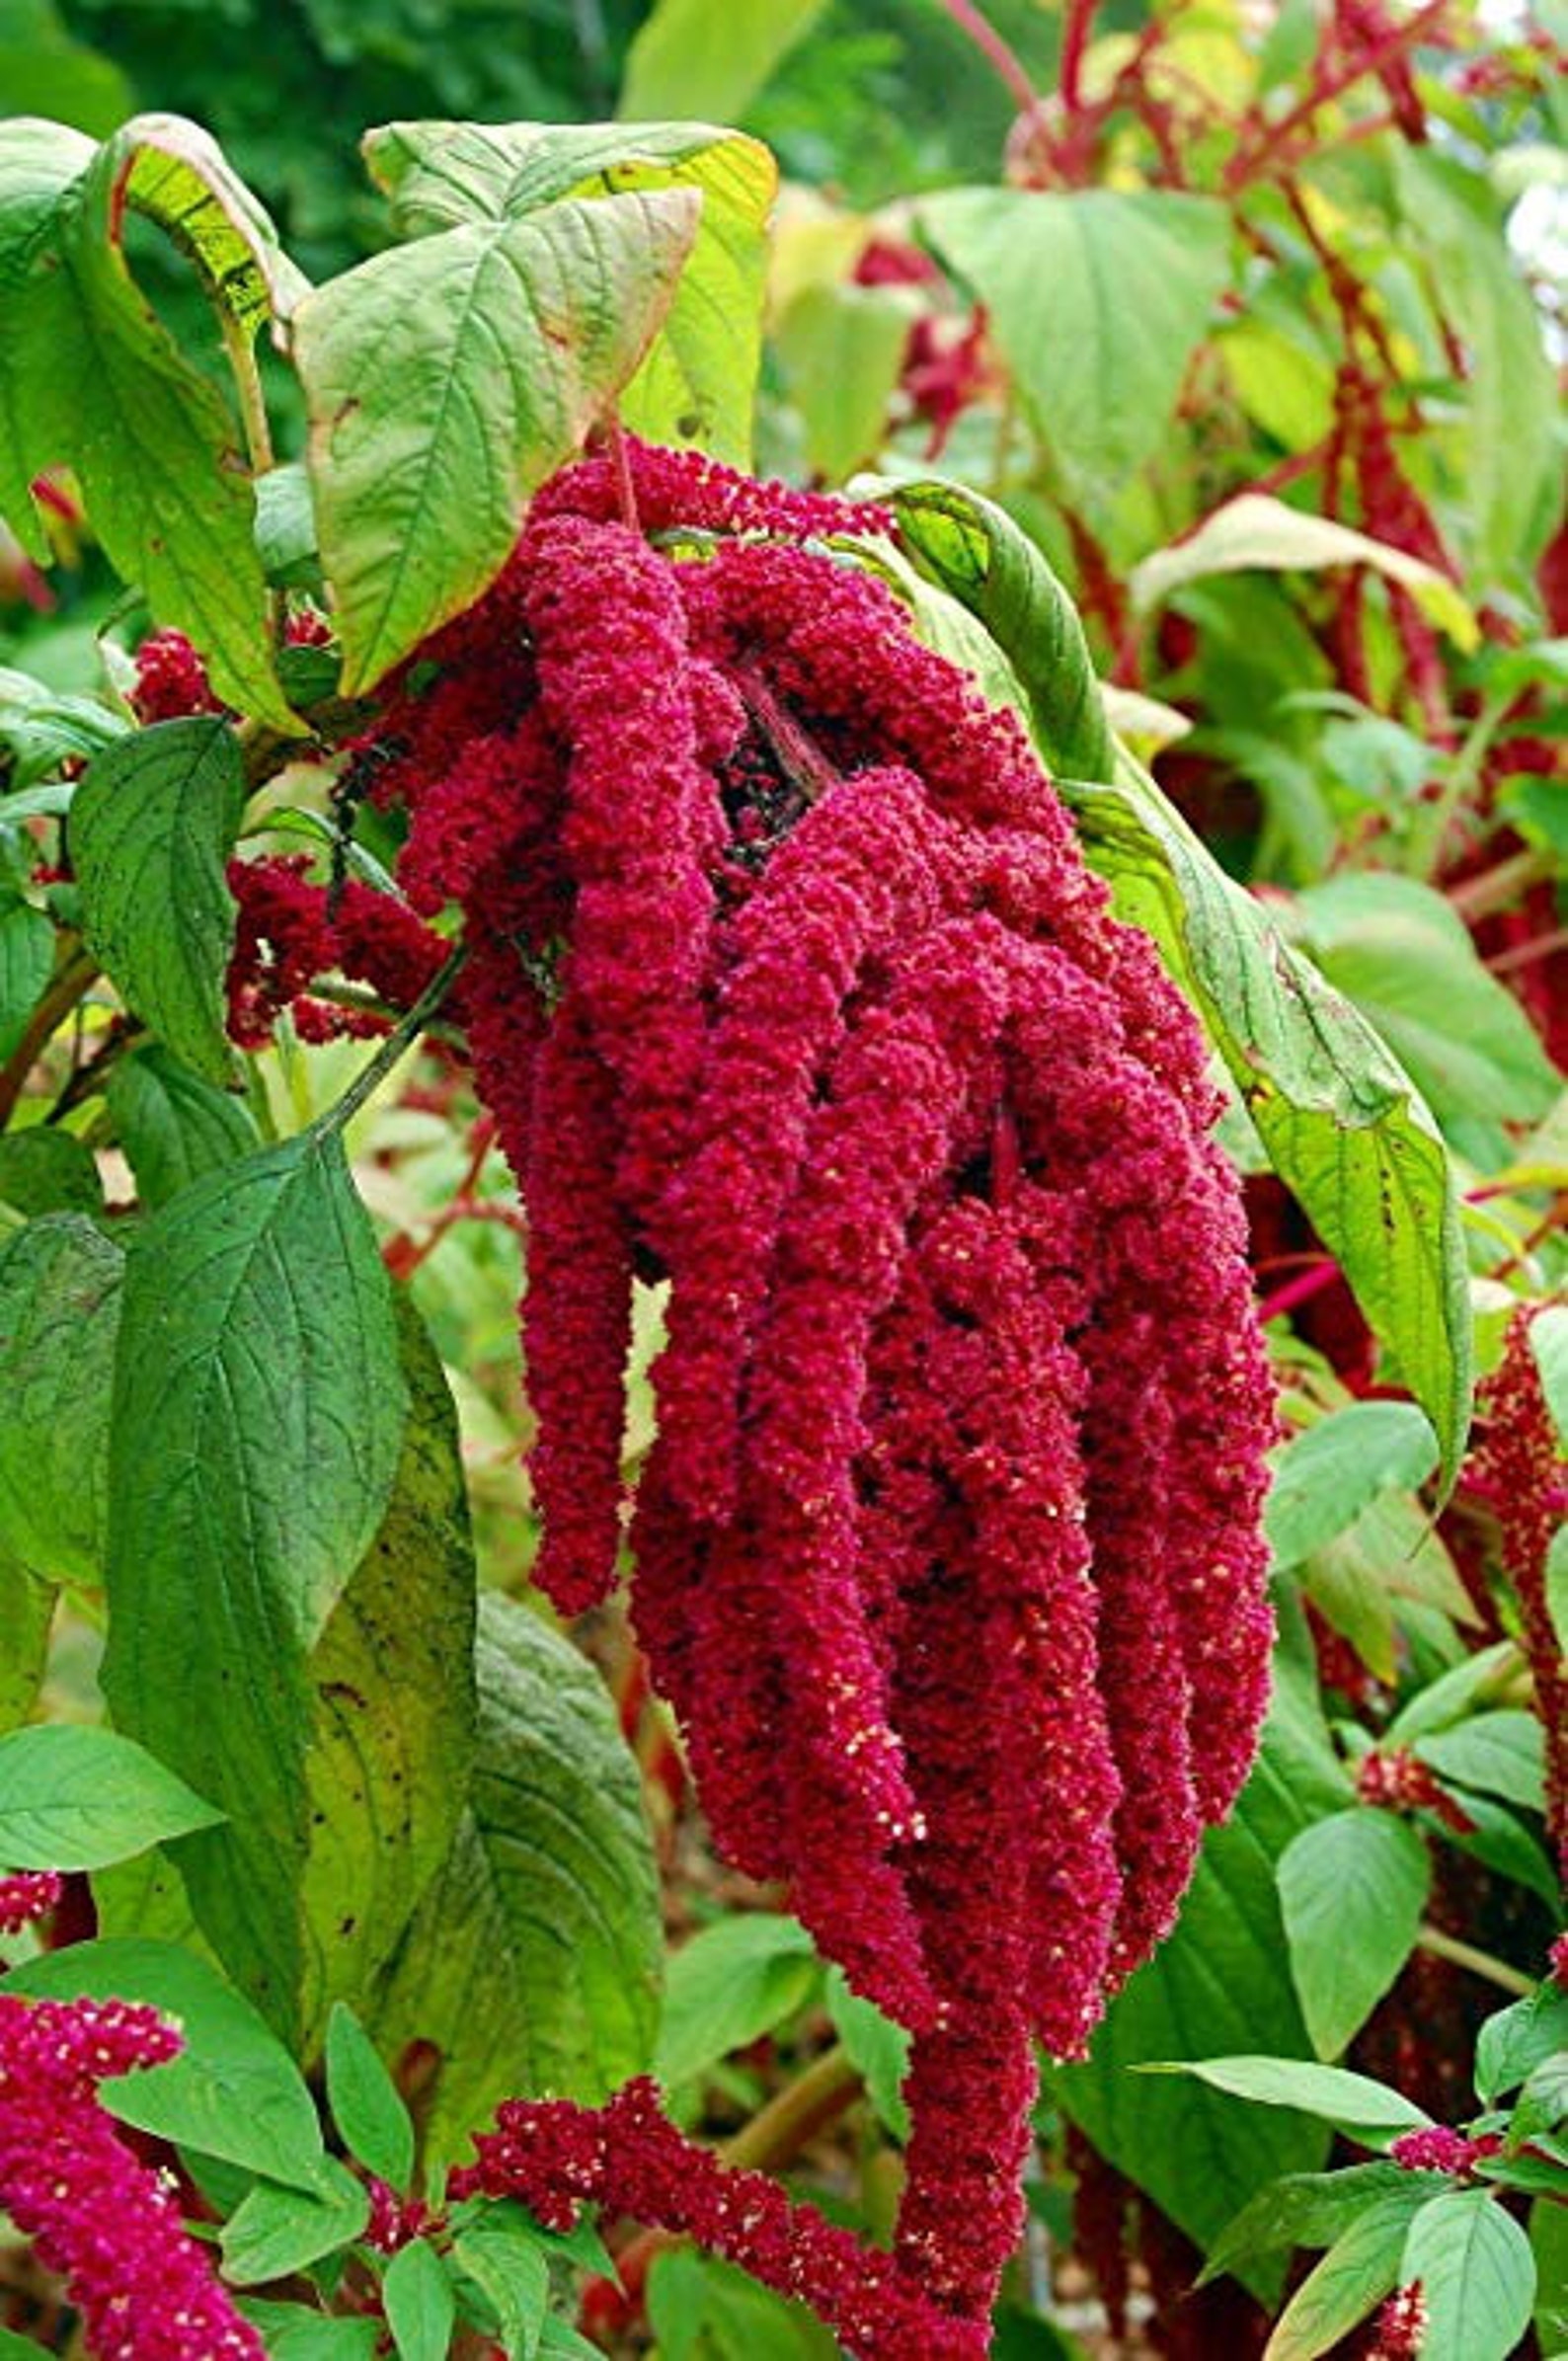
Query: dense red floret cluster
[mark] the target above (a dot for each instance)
(95, 2213)
(26, 1896)
(629, 2158)
(787, 985)
(1521, 1469)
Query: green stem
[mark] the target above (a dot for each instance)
(402, 1037)
(241, 353)
(73, 979)
(1430, 822)
(1480, 1963)
(1499, 888)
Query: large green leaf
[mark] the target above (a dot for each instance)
(151, 828)
(258, 1416)
(277, 2231)
(234, 2092)
(373, 2120)
(59, 1314)
(1352, 1891)
(532, 1963)
(447, 377)
(1222, 1976)
(90, 378)
(392, 1679)
(1509, 475)
(1255, 532)
(1325, 1477)
(698, 380)
(173, 1128)
(1341, 1120)
(1477, 2275)
(1097, 298)
(729, 1984)
(1356, 2273)
(26, 1614)
(1404, 955)
(417, 2293)
(26, 954)
(688, 60)
(77, 1798)
(1314, 2209)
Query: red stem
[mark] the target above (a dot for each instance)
(998, 52)
(1298, 1291)
(1246, 164)
(1074, 43)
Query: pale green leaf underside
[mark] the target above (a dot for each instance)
(1341, 1120)
(90, 378)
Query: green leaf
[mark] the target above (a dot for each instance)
(1404, 955)
(27, 955)
(375, 2125)
(532, 1962)
(233, 2092)
(697, 382)
(1455, 1693)
(422, 449)
(90, 378)
(392, 1678)
(419, 2306)
(1508, 467)
(686, 61)
(276, 2231)
(173, 1128)
(1503, 1754)
(1477, 2275)
(59, 1316)
(27, 1619)
(46, 1171)
(1548, 1342)
(1314, 2209)
(1352, 1891)
(1326, 1476)
(1513, 2043)
(294, 2333)
(1497, 1838)
(151, 830)
(78, 1798)
(842, 349)
(704, 2309)
(727, 1986)
(1357, 2272)
(42, 728)
(1257, 531)
(258, 1418)
(973, 549)
(1338, 1117)
(1548, 2238)
(878, 2050)
(1365, 2111)
(511, 2272)
(1097, 299)
(1223, 1974)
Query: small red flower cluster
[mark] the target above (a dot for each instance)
(1400, 2325)
(289, 931)
(1436, 2148)
(787, 983)
(26, 1896)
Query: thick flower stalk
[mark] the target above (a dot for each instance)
(788, 987)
